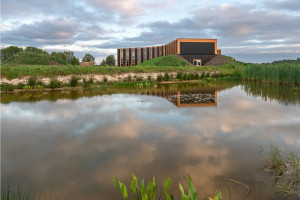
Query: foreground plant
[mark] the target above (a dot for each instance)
(142, 192)
(285, 169)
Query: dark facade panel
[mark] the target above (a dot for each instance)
(197, 48)
(119, 57)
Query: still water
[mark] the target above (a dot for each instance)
(70, 145)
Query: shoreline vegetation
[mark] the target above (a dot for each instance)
(24, 70)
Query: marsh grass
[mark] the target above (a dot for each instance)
(285, 169)
(279, 73)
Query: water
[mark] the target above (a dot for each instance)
(70, 144)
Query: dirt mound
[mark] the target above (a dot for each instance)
(217, 60)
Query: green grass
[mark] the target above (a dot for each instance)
(170, 60)
(280, 73)
(17, 71)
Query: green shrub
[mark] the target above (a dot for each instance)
(26, 87)
(207, 74)
(166, 76)
(129, 78)
(20, 86)
(7, 87)
(179, 75)
(149, 78)
(159, 77)
(91, 80)
(54, 83)
(202, 75)
(105, 79)
(73, 81)
(32, 81)
(139, 78)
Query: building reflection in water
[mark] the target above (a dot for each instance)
(201, 98)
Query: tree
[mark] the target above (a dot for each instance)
(88, 58)
(59, 57)
(102, 63)
(110, 60)
(70, 58)
(35, 50)
(9, 52)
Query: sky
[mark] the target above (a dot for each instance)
(249, 30)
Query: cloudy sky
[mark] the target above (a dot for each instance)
(249, 30)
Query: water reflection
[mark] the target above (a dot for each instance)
(76, 146)
(198, 98)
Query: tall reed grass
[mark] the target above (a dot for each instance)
(280, 73)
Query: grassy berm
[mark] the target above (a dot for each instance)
(161, 64)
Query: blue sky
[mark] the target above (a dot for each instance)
(251, 31)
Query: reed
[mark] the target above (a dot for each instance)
(279, 73)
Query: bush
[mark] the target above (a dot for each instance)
(159, 77)
(91, 80)
(166, 76)
(73, 81)
(179, 75)
(149, 78)
(86, 83)
(105, 79)
(139, 78)
(7, 87)
(54, 83)
(129, 78)
(202, 75)
(207, 74)
(32, 81)
(20, 86)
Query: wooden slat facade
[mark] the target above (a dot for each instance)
(125, 56)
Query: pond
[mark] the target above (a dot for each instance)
(69, 145)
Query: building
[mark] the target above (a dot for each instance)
(195, 51)
(86, 63)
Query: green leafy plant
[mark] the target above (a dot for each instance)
(148, 192)
(73, 81)
(32, 81)
(192, 194)
(54, 83)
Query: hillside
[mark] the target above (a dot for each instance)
(170, 60)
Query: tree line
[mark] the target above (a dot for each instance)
(33, 55)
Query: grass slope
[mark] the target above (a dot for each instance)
(160, 64)
(170, 60)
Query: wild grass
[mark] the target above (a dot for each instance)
(280, 73)
(10, 193)
(170, 60)
(17, 71)
(285, 169)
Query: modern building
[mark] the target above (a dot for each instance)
(195, 51)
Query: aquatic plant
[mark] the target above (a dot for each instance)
(285, 169)
(143, 192)
(281, 73)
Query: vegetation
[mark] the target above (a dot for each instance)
(34, 56)
(149, 191)
(285, 169)
(110, 60)
(170, 60)
(88, 58)
(280, 72)
(73, 81)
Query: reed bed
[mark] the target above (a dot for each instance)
(279, 73)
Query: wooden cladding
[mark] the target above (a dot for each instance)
(134, 56)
